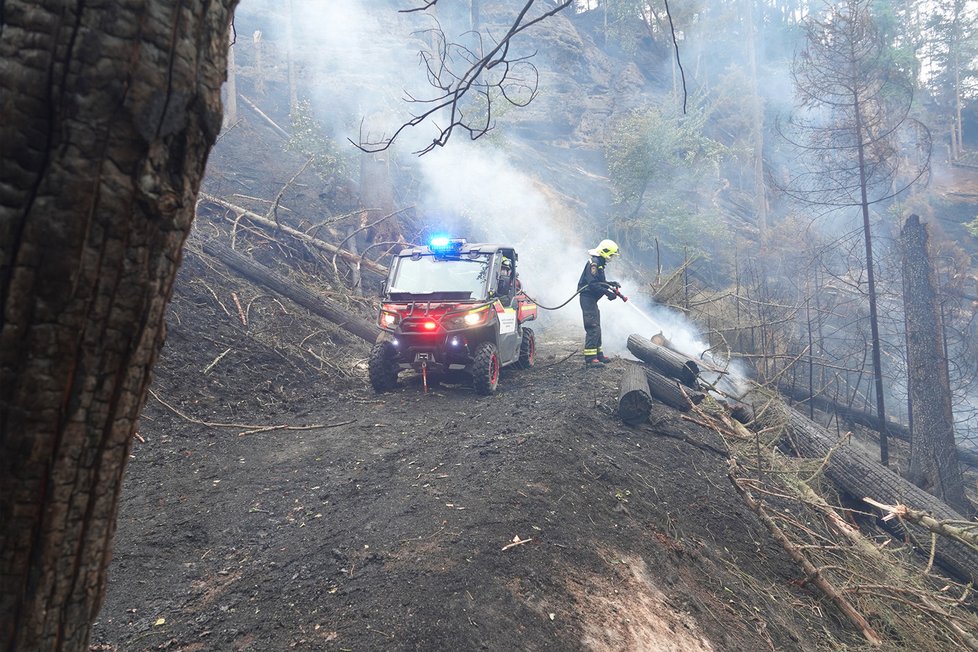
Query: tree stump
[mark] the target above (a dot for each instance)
(634, 400)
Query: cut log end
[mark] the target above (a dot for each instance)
(634, 401)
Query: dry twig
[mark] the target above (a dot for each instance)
(247, 426)
(961, 531)
(812, 573)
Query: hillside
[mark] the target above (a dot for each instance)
(273, 501)
(332, 518)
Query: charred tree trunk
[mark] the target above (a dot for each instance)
(671, 392)
(863, 418)
(304, 297)
(666, 361)
(742, 412)
(860, 476)
(844, 411)
(634, 402)
(933, 462)
(111, 109)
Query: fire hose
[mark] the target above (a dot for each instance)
(611, 286)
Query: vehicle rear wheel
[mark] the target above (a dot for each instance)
(528, 350)
(382, 367)
(485, 369)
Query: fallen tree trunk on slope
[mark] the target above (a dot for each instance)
(671, 392)
(634, 401)
(825, 404)
(821, 402)
(273, 227)
(859, 475)
(666, 361)
(313, 302)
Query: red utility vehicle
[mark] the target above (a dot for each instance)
(453, 307)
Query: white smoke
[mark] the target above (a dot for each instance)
(509, 207)
(359, 62)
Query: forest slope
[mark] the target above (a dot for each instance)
(383, 526)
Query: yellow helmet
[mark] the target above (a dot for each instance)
(605, 249)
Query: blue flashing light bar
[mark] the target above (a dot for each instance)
(443, 245)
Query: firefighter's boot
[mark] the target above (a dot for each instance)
(592, 362)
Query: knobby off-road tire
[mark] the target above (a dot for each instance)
(485, 369)
(528, 350)
(382, 367)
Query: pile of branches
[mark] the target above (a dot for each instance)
(878, 583)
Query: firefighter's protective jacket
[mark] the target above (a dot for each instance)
(593, 281)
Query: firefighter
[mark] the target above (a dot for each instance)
(508, 284)
(592, 286)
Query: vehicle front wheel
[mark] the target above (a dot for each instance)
(528, 350)
(485, 369)
(382, 367)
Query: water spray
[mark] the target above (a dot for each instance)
(642, 313)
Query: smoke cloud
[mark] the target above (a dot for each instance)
(359, 60)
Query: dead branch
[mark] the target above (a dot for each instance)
(952, 529)
(339, 247)
(241, 313)
(813, 574)
(273, 211)
(215, 361)
(517, 541)
(246, 426)
(254, 107)
(369, 265)
(452, 88)
(214, 294)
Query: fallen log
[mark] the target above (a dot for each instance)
(800, 394)
(304, 297)
(634, 401)
(272, 226)
(671, 392)
(741, 412)
(666, 361)
(859, 475)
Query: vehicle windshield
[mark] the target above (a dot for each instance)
(463, 277)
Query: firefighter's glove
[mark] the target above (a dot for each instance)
(612, 297)
(614, 284)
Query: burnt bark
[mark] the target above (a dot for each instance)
(845, 412)
(933, 461)
(665, 361)
(863, 418)
(303, 296)
(742, 412)
(634, 401)
(110, 110)
(671, 392)
(860, 476)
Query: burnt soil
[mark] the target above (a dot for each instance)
(314, 514)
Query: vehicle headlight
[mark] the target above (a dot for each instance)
(468, 319)
(388, 320)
